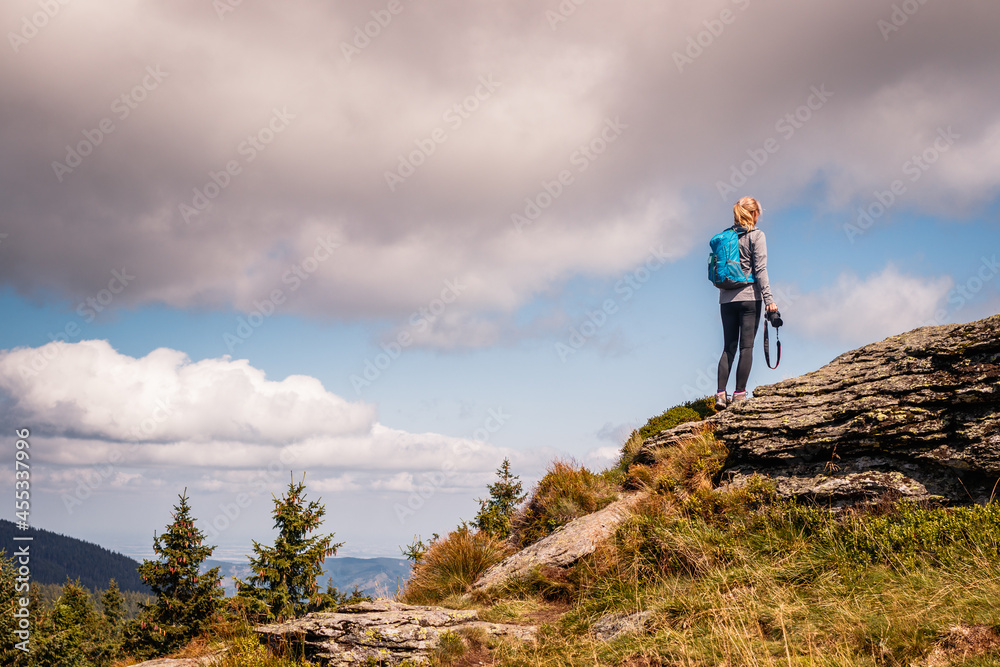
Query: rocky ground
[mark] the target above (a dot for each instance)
(916, 414)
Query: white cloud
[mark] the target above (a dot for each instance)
(139, 419)
(859, 310)
(88, 389)
(602, 458)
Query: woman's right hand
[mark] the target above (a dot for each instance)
(772, 307)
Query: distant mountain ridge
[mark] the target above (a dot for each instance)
(55, 557)
(371, 576)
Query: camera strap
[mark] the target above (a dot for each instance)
(767, 347)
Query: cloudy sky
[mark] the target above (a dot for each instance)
(388, 244)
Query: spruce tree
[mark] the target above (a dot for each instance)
(185, 599)
(113, 603)
(284, 579)
(497, 511)
(71, 633)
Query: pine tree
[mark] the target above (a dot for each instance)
(284, 579)
(9, 605)
(72, 633)
(497, 511)
(113, 603)
(185, 600)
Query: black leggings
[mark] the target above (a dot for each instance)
(739, 327)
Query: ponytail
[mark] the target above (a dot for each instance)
(744, 210)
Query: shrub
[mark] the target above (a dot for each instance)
(451, 565)
(691, 411)
(563, 494)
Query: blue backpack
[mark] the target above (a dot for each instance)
(724, 268)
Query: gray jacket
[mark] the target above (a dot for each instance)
(760, 289)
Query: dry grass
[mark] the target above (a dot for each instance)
(452, 565)
(685, 468)
(566, 492)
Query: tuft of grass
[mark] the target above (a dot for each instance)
(628, 453)
(679, 414)
(682, 469)
(451, 565)
(566, 492)
(450, 649)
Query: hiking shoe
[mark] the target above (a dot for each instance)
(739, 397)
(720, 401)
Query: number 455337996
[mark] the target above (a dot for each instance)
(22, 474)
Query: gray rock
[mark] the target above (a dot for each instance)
(385, 631)
(916, 414)
(615, 625)
(204, 661)
(566, 545)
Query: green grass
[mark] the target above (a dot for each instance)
(679, 414)
(740, 577)
(734, 579)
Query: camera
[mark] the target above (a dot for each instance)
(774, 319)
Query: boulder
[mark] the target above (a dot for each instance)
(915, 415)
(566, 545)
(612, 626)
(383, 632)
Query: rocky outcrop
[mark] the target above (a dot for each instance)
(916, 415)
(566, 545)
(382, 632)
(203, 661)
(613, 626)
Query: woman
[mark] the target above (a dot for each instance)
(741, 307)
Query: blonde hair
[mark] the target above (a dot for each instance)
(744, 210)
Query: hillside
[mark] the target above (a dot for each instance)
(55, 557)
(847, 517)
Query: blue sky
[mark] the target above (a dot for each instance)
(262, 213)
